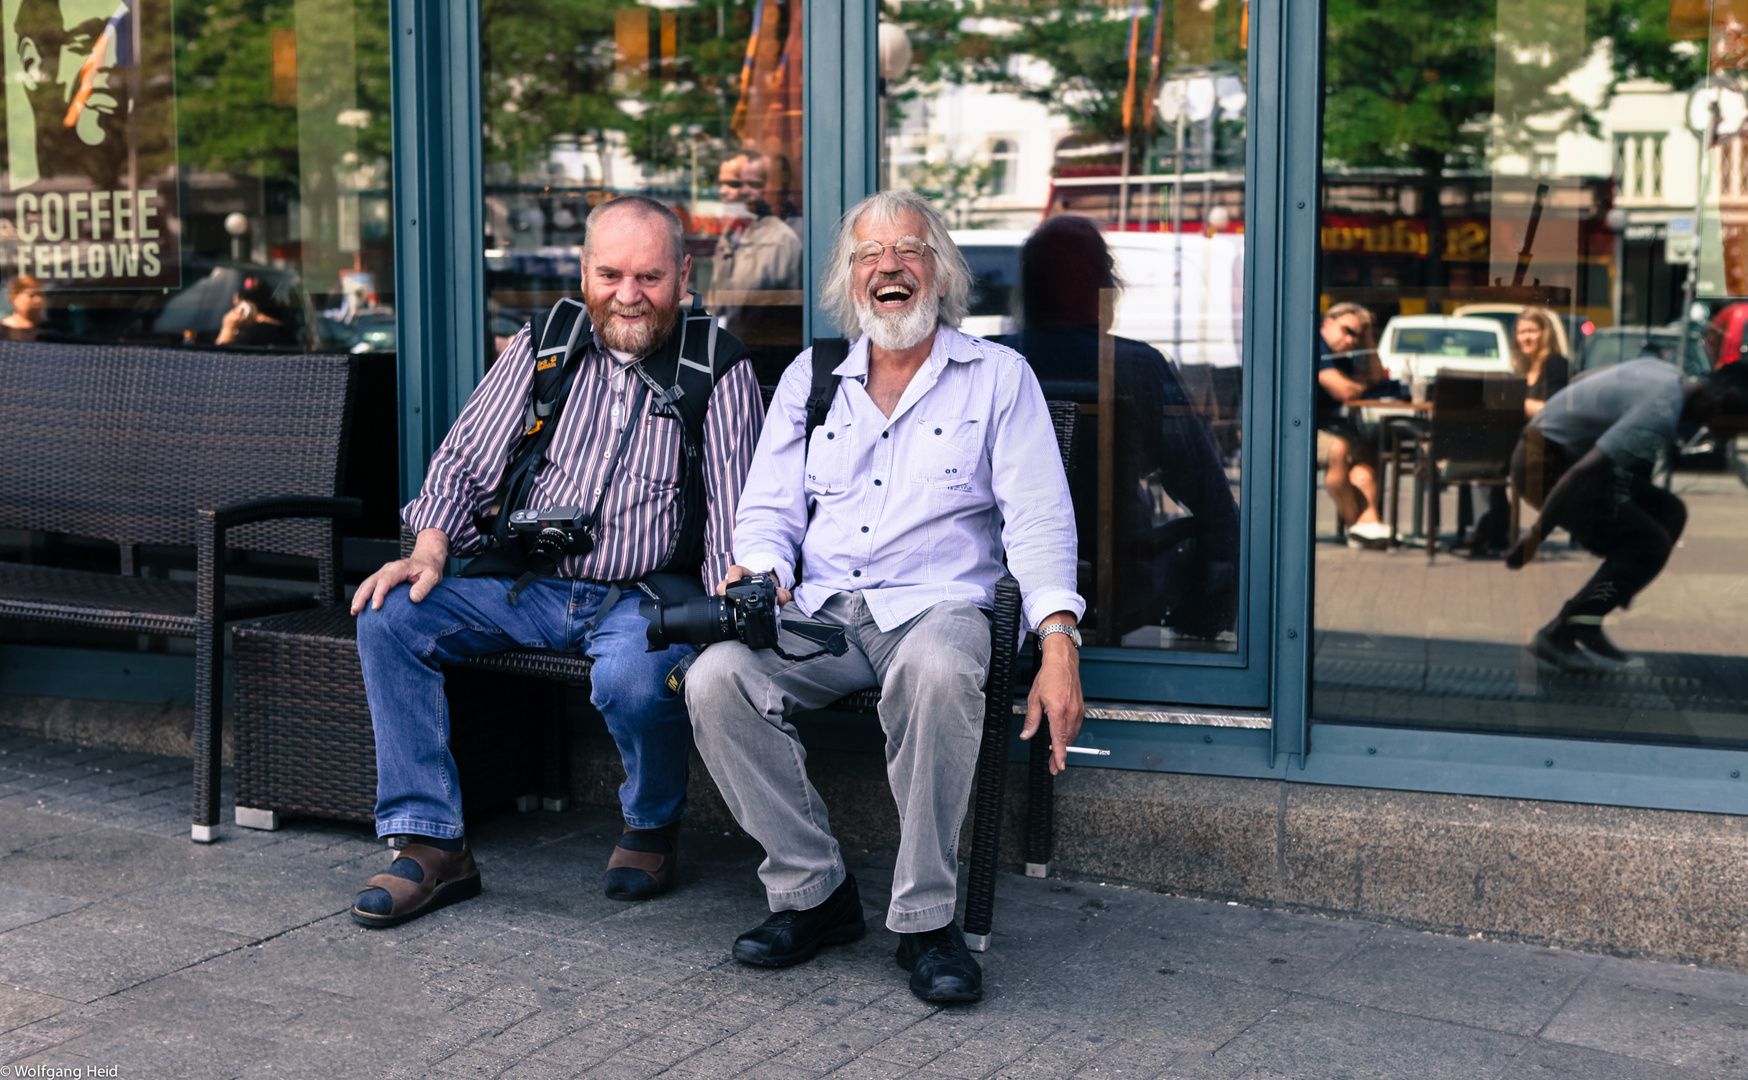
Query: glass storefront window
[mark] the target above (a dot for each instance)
(1091, 159)
(198, 174)
(698, 106)
(1529, 258)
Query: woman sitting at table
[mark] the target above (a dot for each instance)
(1547, 372)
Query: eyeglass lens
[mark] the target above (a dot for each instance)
(908, 249)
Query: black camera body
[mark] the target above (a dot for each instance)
(551, 535)
(746, 612)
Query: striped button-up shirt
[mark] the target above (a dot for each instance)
(642, 508)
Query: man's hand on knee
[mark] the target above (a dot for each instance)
(423, 569)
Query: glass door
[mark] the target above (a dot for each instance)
(1092, 159)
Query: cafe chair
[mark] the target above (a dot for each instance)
(1474, 426)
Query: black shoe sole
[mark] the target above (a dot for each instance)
(958, 996)
(453, 892)
(840, 935)
(638, 897)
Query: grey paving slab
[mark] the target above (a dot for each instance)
(21, 907)
(1502, 987)
(94, 863)
(1656, 1024)
(19, 1007)
(1312, 1037)
(103, 948)
(1553, 1061)
(22, 829)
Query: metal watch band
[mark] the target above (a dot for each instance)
(1068, 631)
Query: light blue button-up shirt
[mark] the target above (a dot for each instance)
(918, 508)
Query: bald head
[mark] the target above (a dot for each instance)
(633, 211)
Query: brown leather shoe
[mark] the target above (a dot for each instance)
(642, 866)
(421, 880)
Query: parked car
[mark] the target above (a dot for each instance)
(1616, 344)
(1415, 347)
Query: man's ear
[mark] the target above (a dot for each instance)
(685, 274)
(30, 63)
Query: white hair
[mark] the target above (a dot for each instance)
(952, 272)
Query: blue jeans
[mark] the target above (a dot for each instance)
(403, 646)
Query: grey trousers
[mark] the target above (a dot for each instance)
(930, 672)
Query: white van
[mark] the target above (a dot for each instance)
(1183, 294)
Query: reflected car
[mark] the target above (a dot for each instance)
(1617, 344)
(373, 332)
(1567, 327)
(195, 314)
(1415, 347)
(1183, 294)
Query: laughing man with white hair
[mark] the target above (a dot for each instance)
(936, 458)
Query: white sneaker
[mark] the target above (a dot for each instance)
(1369, 530)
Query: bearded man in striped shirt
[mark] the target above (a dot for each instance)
(412, 619)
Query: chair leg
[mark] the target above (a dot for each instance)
(998, 719)
(1040, 808)
(555, 753)
(1432, 514)
(209, 703)
(1516, 514)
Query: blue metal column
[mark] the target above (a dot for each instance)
(841, 132)
(1286, 84)
(439, 226)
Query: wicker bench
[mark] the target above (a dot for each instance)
(304, 741)
(210, 450)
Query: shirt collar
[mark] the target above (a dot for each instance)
(950, 344)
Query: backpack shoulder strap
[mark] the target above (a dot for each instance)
(828, 353)
(556, 337)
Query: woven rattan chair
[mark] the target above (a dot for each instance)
(304, 743)
(210, 450)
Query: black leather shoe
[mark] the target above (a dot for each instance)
(788, 938)
(941, 968)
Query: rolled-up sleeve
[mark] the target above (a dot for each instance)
(772, 519)
(1031, 491)
(466, 468)
(731, 433)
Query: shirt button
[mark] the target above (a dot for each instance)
(864, 528)
(597, 491)
(829, 435)
(876, 483)
(855, 573)
(885, 434)
(937, 431)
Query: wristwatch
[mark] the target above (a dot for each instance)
(1058, 628)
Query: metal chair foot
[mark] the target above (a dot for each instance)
(205, 834)
(1037, 869)
(527, 803)
(977, 942)
(251, 818)
(555, 805)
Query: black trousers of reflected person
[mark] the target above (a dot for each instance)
(1631, 522)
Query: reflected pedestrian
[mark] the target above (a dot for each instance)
(1348, 369)
(29, 309)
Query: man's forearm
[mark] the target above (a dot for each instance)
(431, 545)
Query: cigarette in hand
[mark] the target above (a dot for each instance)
(1088, 750)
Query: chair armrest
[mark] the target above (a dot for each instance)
(285, 506)
(209, 578)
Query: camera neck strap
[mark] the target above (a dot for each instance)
(592, 523)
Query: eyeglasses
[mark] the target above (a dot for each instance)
(1348, 329)
(908, 249)
(733, 183)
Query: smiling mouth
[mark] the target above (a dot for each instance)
(893, 294)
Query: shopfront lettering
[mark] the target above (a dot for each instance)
(1465, 241)
(88, 215)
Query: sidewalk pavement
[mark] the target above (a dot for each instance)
(125, 948)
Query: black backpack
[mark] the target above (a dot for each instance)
(828, 353)
(681, 376)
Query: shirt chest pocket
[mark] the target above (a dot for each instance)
(947, 454)
(653, 455)
(828, 458)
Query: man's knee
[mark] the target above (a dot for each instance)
(714, 679)
(380, 629)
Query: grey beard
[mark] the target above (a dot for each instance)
(896, 333)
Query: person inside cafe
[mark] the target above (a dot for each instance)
(1532, 358)
(29, 309)
(935, 460)
(1585, 461)
(623, 452)
(1348, 369)
(257, 316)
(1175, 558)
(757, 261)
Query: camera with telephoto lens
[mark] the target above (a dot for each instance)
(551, 535)
(746, 612)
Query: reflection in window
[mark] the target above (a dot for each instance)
(1091, 159)
(1524, 371)
(698, 107)
(199, 174)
